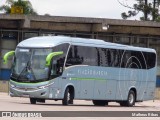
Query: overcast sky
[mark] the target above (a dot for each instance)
(81, 8)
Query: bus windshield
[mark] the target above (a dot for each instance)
(29, 64)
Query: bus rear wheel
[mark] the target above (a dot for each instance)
(130, 100)
(100, 102)
(68, 97)
(33, 100)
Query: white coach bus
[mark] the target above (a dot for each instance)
(68, 68)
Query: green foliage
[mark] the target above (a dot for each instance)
(5, 8)
(129, 14)
(149, 8)
(158, 19)
(27, 7)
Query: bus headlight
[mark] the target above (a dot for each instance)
(42, 87)
(12, 86)
(45, 86)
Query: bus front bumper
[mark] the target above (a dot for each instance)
(29, 92)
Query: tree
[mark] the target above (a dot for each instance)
(26, 5)
(149, 8)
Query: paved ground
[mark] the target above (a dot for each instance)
(8, 103)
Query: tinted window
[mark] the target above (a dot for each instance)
(58, 61)
(82, 55)
(105, 56)
(102, 57)
(150, 59)
(138, 60)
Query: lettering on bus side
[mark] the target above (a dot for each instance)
(92, 72)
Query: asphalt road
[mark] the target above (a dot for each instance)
(8, 103)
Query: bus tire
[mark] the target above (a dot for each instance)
(33, 100)
(100, 102)
(68, 97)
(130, 100)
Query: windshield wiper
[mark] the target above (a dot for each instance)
(26, 68)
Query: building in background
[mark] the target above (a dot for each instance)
(15, 28)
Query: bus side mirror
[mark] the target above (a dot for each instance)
(7, 55)
(51, 55)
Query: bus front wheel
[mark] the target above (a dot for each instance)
(33, 100)
(68, 97)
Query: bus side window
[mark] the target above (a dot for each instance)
(150, 59)
(89, 55)
(70, 58)
(116, 58)
(54, 67)
(98, 56)
(57, 66)
(109, 57)
(82, 55)
(103, 57)
(112, 57)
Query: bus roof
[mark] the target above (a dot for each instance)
(51, 41)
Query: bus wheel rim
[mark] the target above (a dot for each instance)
(131, 98)
(68, 96)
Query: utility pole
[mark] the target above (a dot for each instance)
(154, 10)
(145, 10)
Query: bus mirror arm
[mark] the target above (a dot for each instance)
(51, 55)
(7, 55)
